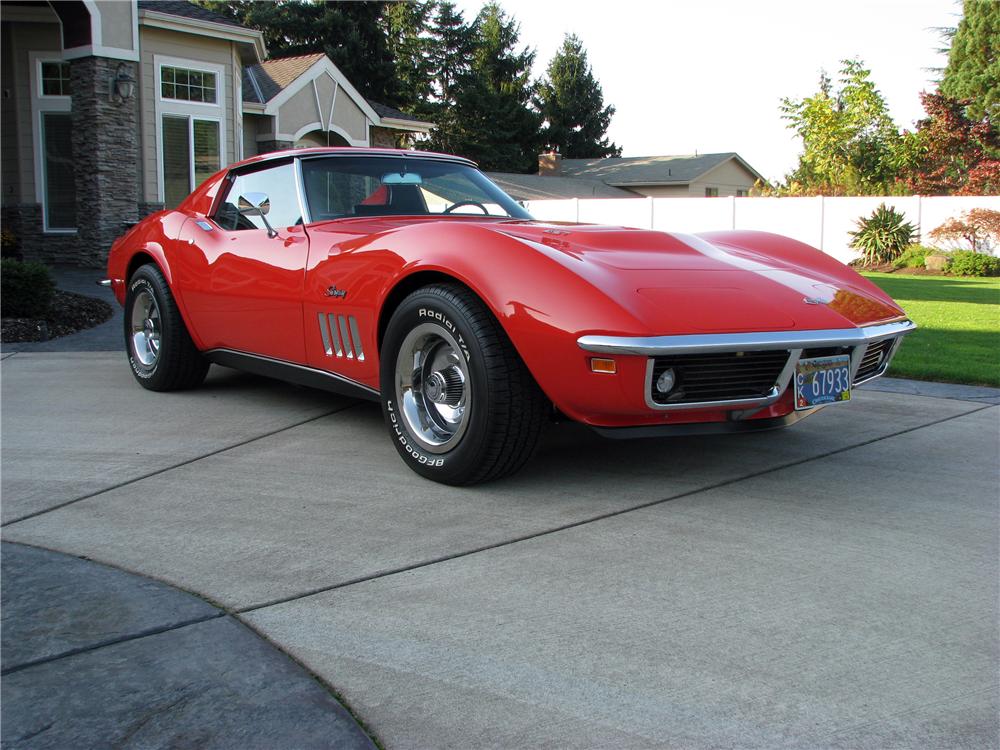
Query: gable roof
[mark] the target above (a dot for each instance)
(532, 187)
(385, 112)
(650, 170)
(185, 9)
(264, 81)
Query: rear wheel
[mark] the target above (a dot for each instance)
(460, 405)
(160, 350)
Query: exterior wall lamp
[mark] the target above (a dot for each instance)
(121, 85)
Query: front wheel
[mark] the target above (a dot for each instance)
(460, 405)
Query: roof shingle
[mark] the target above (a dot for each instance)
(185, 9)
(532, 187)
(645, 170)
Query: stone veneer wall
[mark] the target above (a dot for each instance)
(106, 157)
(382, 138)
(266, 147)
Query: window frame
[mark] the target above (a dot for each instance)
(202, 68)
(229, 182)
(42, 104)
(191, 111)
(40, 81)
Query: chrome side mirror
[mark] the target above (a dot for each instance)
(257, 204)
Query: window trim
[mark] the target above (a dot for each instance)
(202, 69)
(192, 177)
(190, 110)
(40, 84)
(41, 105)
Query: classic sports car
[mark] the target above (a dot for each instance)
(410, 278)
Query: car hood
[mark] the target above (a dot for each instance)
(689, 283)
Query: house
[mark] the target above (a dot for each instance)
(704, 175)
(113, 109)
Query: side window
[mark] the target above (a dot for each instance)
(278, 184)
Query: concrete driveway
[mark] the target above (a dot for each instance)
(829, 585)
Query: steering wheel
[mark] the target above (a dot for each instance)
(459, 204)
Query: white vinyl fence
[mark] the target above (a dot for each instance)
(820, 222)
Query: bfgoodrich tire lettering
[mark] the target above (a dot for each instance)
(160, 351)
(460, 405)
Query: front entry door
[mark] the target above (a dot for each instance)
(243, 282)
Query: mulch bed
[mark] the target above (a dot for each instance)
(889, 268)
(69, 313)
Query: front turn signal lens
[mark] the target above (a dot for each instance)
(607, 366)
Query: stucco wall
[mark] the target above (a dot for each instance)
(299, 111)
(116, 23)
(154, 42)
(349, 116)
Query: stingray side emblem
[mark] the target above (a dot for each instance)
(813, 301)
(334, 292)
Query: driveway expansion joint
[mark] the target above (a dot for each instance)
(594, 519)
(111, 642)
(179, 465)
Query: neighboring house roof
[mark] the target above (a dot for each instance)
(649, 170)
(531, 187)
(185, 9)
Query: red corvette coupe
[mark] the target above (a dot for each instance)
(410, 278)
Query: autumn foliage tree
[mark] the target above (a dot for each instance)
(980, 227)
(952, 154)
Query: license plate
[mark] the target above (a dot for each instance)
(822, 380)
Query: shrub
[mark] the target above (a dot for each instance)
(968, 263)
(914, 256)
(25, 289)
(882, 236)
(980, 227)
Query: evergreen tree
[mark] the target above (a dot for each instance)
(449, 53)
(406, 25)
(572, 103)
(351, 34)
(973, 70)
(494, 123)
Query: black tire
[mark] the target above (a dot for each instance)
(504, 410)
(174, 363)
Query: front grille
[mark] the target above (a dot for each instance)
(726, 376)
(873, 359)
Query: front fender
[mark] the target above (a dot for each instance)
(544, 299)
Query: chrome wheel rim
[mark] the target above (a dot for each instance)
(145, 324)
(433, 387)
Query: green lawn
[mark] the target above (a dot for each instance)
(958, 339)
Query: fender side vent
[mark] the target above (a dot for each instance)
(341, 336)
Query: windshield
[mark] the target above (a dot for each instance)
(346, 186)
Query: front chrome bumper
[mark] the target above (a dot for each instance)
(795, 342)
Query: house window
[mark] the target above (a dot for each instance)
(55, 79)
(191, 154)
(57, 171)
(183, 84)
(741, 193)
(711, 192)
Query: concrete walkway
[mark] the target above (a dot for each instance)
(829, 585)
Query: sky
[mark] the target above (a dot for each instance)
(688, 76)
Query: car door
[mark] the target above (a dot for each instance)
(241, 274)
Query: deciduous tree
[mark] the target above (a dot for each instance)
(850, 143)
